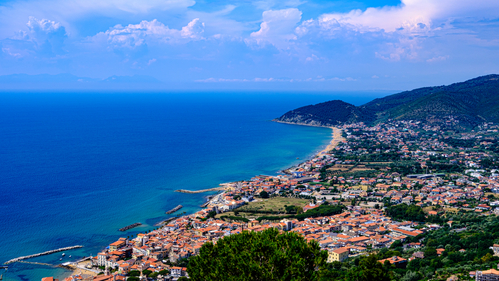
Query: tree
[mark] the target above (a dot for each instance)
(411, 276)
(266, 255)
(369, 269)
(264, 194)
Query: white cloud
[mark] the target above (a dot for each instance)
(277, 28)
(271, 79)
(403, 28)
(439, 58)
(44, 38)
(135, 35)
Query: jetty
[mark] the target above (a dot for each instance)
(130, 226)
(175, 209)
(43, 254)
(164, 222)
(200, 191)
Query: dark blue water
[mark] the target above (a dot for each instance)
(75, 167)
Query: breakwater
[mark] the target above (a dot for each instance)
(130, 226)
(43, 254)
(200, 191)
(175, 209)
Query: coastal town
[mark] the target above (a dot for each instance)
(376, 189)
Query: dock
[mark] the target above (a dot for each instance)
(174, 209)
(130, 226)
(43, 254)
(200, 191)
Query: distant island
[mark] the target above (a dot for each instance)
(469, 103)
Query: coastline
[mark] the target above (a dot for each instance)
(337, 139)
(78, 268)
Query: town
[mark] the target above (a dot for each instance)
(388, 189)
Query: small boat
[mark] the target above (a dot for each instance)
(60, 259)
(69, 255)
(63, 254)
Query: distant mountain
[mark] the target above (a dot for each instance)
(471, 102)
(326, 114)
(131, 79)
(44, 78)
(69, 81)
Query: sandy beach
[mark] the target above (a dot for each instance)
(80, 269)
(337, 138)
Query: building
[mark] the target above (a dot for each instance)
(487, 275)
(340, 254)
(117, 245)
(397, 261)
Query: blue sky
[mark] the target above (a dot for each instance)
(265, 44)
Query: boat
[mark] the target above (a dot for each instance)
(63, 254)
(60, 259)
(69, 255)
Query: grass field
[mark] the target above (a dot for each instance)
(272, 204)
(490, 193)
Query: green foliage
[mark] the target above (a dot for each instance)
(328, 113)
(266, 255)
(235, 218)
(470, 102)
(406, 212)
(370, 270)
(134, 273)
(322, 210)
(264, 194)
(211, 214)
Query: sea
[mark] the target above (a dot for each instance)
(77, 166)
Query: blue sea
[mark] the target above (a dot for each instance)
(75, 167)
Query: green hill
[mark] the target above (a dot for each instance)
(470, 102)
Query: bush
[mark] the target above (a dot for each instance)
(266, 255)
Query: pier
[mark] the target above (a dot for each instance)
(39, 263)
(200, 191)
(174, 209)
(130, 226)
(43, 254)
(161, 223)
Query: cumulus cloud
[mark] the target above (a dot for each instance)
(277, 28)
(402, 28)
(135, 35)
(43, 38)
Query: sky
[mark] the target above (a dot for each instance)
(364, 45)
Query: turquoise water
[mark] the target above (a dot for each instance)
(76, 167)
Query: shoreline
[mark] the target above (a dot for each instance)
(336, 139)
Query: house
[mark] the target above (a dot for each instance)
(487, 275)
(340, 254)
(117, 245)
(495, 249)
(395, 260)
(176, 271)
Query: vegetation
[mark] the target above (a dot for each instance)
(406, 212)
(266, 255)
(471, 102)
